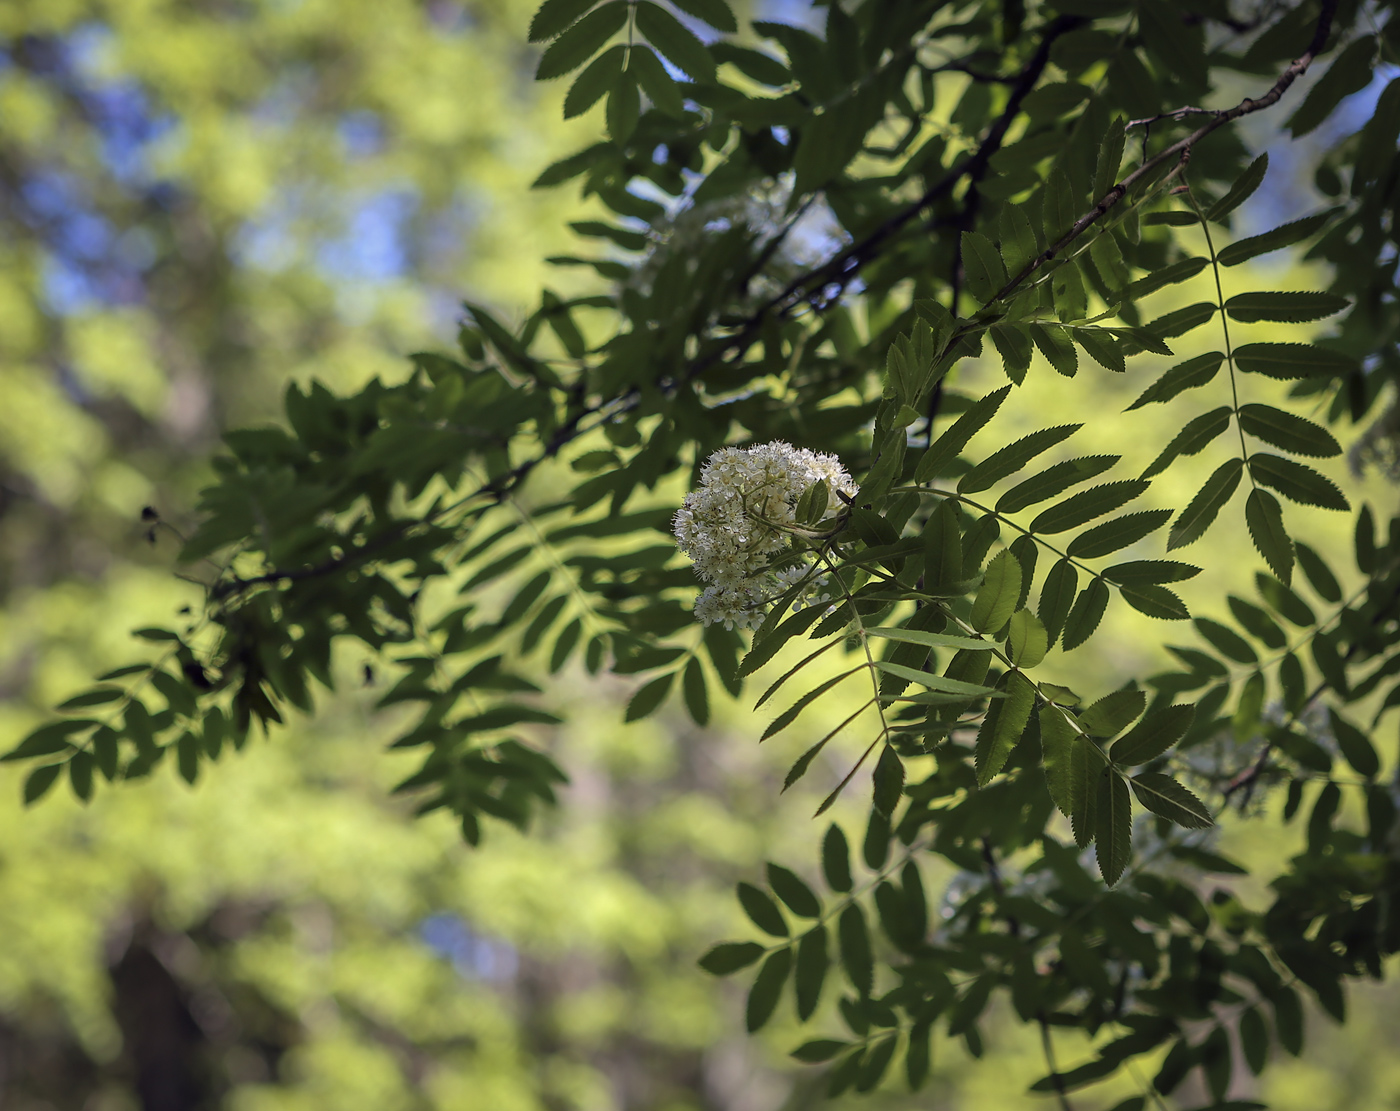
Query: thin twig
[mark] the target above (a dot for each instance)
(1048, 1048)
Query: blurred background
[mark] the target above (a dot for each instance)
(201, 200)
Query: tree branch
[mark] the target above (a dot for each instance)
(1182, 148)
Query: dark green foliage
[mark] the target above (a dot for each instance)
(538, 477)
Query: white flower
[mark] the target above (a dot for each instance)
(741, 519)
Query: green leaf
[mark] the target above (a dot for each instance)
(795, 894)
(1297, 482)
(1152, 736)
(38, 782)
(1060, 209)
(812, 964)
(1284, 236)
(888, 780)
(1284, 308)
(836, 859)
(982, 266)
(854, 938)
(765, 647)
(1113, 713)
(933, 640)
(1108, 261)
(827, 142)
(1349, 73)
(80, 774)
(697, 699)
(1254, 1040)
(157, 635)
(942, 547)
(1000, 591)
(1192, 439)
(1179, 46)
(1056, 100)
(623, 110)
(1226, 640)
(1167, 798)
(1365, 542)
(542, 622)
(1355, 746)
(876, 1062)
(1180, 321)
(822, 1049)
(123, 672)
(1018, 243)
(627, 240)
(1154, 601)
(671, 38)
(1053, 342)
(107, 753)
(1010, 459)
(876, 848)
(1288, 1019)
(581, 41)
(1086, 770)
(1003, 726)
(1317, 571)
(1014, 345)
(949, 445)
(1102, 347)
(1145, 339)
(1241, 190)
(556, 15)
(1110, 158)
(916, 1057)
(564, 645)
(1377, 146)
(187, 752)
(767, 988)
(1086, 614)
(1264, 516)
(1283, 600)
(1159, 279)
(1290, 432)
(935, 682)
(1083, 507)
(716, 13)
(1290, 361)
(761, 909)
(1054, 480)
(1198, 516)
(1117, 534)
(1182, 377)
(730, 956)
(1081, 1075)
(98, 696)
(654, 80)
(1057, 596)
(590, 85)
(1257, 623)
(1114, 826)
(1150, 571)
(649, 698)
(1057, 740)
(48, 739)
(1027, 639)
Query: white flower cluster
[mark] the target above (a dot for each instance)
(740, 521)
